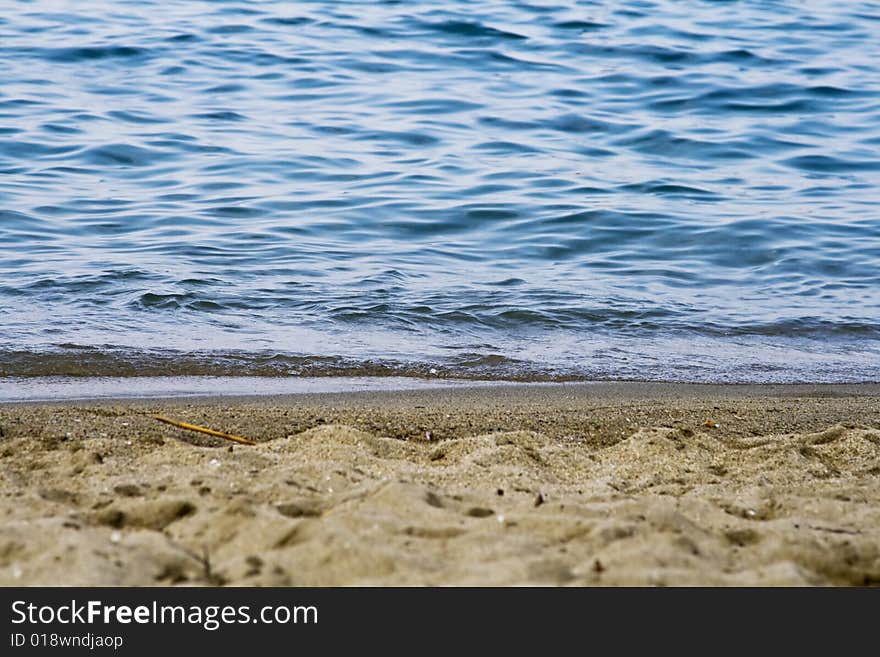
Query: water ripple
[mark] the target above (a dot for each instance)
(672, 190)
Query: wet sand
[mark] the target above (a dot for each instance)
(567, 484)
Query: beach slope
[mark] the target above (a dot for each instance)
(571, 484)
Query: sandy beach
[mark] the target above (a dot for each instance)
(567, 484)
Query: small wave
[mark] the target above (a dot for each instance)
(467, 29)
(669, 144)
(579, 25)
(831, 164)
(432, 106)
(90, 53)
(725, 365)
(222, 115)
(125, 155)
(670, 189)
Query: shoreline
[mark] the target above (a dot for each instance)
(617, 483)
(66, 389)
(80, 389)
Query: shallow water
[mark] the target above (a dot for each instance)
(628, 190)
(69, 388)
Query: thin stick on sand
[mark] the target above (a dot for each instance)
(210, 432)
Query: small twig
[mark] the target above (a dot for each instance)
(206, 564)
(210, 432)
(203, 559)
(835, 530)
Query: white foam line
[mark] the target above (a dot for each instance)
(42, 389)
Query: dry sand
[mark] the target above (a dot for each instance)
(522, 485)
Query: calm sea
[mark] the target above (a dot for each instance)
(671, 190)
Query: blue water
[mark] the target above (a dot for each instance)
(671, 190)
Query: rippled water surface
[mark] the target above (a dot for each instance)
(674, 190)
